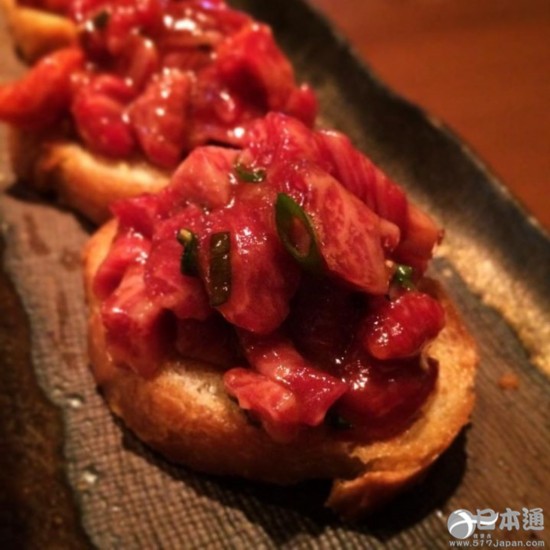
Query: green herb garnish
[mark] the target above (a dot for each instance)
(297, 233)
(219, 280)
(189, 259)
(250, 175)
(403, 277)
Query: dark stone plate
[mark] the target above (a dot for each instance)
(72, 477)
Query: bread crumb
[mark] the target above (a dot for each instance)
(509, 381)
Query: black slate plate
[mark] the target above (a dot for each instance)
(72, 477)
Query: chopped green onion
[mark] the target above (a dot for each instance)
(297, 234)
(101, 20)
(189, 260)
(219, 287)
(250, 175)
(403, 276)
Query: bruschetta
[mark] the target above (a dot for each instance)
(267, 315)
(147, 82)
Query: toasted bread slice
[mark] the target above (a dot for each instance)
(36, 32)
(185, 413)
(86, 182)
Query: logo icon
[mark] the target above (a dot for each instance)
(461, 524)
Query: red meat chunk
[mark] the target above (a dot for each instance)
(138, 330)
(126, 250)
(159, 118)
(42, 96)
(383, 399)
(184, 295)
(401, 328)
(204, 178)
(275, 357)
(350, 235)
(275, 406)
(263, 276)
(102, 124)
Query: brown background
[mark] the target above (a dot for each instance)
(483, 67)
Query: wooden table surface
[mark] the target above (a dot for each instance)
(483, 67)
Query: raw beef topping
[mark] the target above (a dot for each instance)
(287, 257)
(158, 78)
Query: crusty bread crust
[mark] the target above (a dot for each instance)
(35, 32)
(184, 413)
(84, 181)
